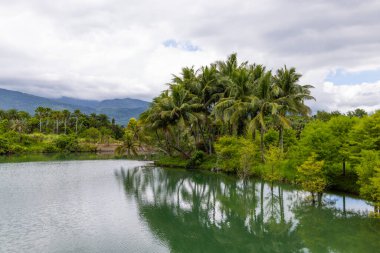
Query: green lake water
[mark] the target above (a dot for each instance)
(131, 206)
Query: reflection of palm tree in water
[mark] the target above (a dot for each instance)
(194, 212)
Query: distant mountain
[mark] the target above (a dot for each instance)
(119, 109)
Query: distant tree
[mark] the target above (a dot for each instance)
(65, 115)
(77, 114)
(129, 144)
(40, 113)
(92, 134)
(360, 113)
(56, 116)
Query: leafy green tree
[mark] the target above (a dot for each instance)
(92, 134)
(369, 177)
(311, 176)
(274, 156)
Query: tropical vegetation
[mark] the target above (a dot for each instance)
(252, 121)
(49, 131)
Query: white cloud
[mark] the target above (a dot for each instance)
(114, 48)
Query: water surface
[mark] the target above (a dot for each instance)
(125, 206)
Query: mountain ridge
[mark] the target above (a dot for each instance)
(121, 109)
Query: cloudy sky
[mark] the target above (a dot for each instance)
(100, 49)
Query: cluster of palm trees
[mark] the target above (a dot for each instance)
(47, 120)
(224, 98)
(46, 114)
(17, 120)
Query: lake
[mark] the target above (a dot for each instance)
(131, 206)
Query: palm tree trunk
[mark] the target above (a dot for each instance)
(65, 125)
(281, 138)
(344, 167)
(40, 125)
(262, 144)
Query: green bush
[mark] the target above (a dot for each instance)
(196, 160)
(4, 146)
(67, 143)
(235, 154)
(92, 135)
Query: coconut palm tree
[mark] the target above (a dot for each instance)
(129, 144)
(77, 114)
(65, 115)
(55, 117)
(265, 105)
(291, 96)
(39, 113)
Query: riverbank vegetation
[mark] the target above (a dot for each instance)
(253, 121)
(50, 131)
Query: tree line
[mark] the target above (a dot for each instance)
(51, 130)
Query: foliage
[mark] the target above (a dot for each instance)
(235, 154)
(369, 176)
(129, 144)
(67, 143)
(92, 134)
(196, 160)
(274, 157)
(51, 131)
(311, 175)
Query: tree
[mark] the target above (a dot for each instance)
(92, 134)
(129, 144)
(273, 157)
(369, 177)
(311, 176)
(56, 116)
(359, 113)
(291, 96)
(65, 115)
(40, 113)
(77, 114)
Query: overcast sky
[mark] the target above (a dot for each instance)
(98, 49)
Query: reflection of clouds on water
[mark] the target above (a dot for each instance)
(349, 203)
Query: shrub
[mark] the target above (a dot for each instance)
(196, 159)
(92, 134)
(67, 143)
(4, 146)
(235, 154)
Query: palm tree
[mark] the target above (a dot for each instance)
(47, 116)
(56, 115)
(77, 114)
(265, 105)
(65, 116)
(39, 112)
(291, 96)
(129, 145)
